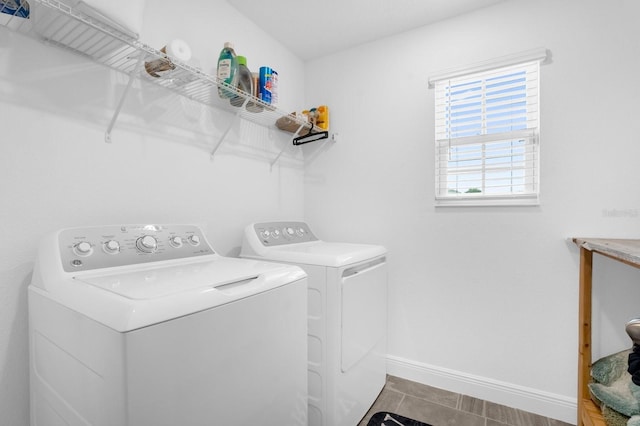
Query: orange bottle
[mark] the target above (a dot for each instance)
(323, 117)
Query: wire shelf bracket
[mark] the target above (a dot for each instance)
(302, 125)
(116, 113)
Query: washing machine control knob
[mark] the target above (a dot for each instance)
(111, 247)
(147, 244)
(290, 231)
(83, 249)
(194, 240)
(175, 241)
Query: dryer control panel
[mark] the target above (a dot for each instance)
(83, 249)
(280, 233)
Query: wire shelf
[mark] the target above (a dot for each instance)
(58, 24)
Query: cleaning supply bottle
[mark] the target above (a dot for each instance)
(255, 106)
(227, 70)
(323, 117)
(274, 87)
(245, 82)
(313, 116)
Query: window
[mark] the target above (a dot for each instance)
(486, 135)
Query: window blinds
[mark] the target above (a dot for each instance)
(486, 127)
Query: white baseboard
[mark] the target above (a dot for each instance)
(546, 404)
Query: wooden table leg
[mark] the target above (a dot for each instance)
(584, 313)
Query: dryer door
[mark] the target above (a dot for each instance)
(364, 310)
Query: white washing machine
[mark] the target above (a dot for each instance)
(347, 321)
(146, 325)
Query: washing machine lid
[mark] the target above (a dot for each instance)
(322, 253)
(127, 301)
(174, 280)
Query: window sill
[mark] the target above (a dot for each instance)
(532, 200)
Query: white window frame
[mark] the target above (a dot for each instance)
(514, 147)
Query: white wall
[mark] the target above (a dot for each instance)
(56, 170)
(484, 300)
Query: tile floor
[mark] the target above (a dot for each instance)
(443, 408)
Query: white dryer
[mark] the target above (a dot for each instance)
(146, 325)
(347, 321)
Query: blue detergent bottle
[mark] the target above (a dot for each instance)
(227, 70)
